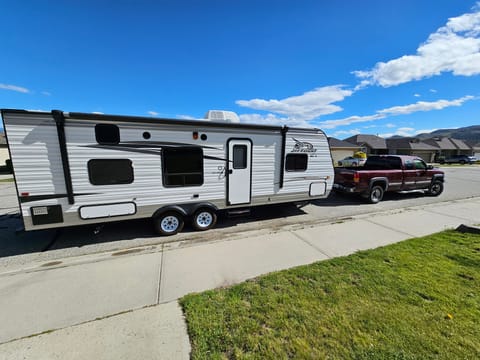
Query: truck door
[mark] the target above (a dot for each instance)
(409, 175)
(239, 174)
(422, 180)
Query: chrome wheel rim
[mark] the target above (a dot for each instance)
(169, 223)
(376, 194)
(204, 219)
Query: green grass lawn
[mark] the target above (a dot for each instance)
(6, 180)
(418, 299)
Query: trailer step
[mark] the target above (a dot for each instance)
(238, 212)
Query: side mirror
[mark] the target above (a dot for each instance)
(429, 167)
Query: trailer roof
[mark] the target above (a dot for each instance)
(152, 120)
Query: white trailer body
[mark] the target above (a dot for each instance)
(78, 168)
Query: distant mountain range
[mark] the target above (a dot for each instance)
(471, 134)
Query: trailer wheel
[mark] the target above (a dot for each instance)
(204, 219)
(435, 189)
(168, 223)
(376, 194)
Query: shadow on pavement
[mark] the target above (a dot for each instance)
(13, 242)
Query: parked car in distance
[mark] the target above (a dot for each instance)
(382, 173)
(351, 161)
(458, 159)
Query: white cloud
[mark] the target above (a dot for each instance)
(308, 106)
(405, 131)
(453, 48)
(185, 117)
(46, 93)
(97, 112)
(271, 119)
(424, 106)
(332, 124)
(417, 95)
(394, 111)
(433, 91)
(390, 125)
(152, 113)
(346, 133)
(14, 88)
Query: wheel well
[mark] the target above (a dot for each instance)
(381, 183)
(186, 209)
(197, 207)
(175, 208)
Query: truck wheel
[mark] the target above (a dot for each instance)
(168, 223)
(462, 162)
(204, 219)
(435, 189)
(376, 194)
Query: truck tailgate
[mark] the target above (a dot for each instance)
(344, 176)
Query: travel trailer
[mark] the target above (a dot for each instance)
(78, 168)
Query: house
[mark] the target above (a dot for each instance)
(369, 144)
(475, 148)
(341, 149)
(448, 147)
(3, 149)
(462, 146)
(412, 146)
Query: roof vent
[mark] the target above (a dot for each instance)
(222, 116)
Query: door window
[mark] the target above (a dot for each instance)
(239, 156)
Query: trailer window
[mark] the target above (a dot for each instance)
(107, 134)
(182, 166)
(110, 171)
(296, 162)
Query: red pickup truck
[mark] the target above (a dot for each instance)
(383, 173)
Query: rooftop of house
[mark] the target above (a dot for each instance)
(441, 143)
(372, 141)
(336, 143)
(409, 143)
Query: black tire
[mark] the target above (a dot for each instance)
(462, 162)
(442, 161)
(435, 189)
(204, 219)
(376, 194)
(168, 223)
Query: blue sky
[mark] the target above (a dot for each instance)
(371, 67)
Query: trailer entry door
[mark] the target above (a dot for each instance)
(239, 180)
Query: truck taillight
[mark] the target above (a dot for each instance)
(356, 177)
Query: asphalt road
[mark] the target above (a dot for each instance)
(461, 182)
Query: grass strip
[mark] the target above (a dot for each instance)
(418, 299)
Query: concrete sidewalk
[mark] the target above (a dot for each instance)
(122, 305)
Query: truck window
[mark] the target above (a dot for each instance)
(409, 165)
(110, 171)
(384, 162)
(296, 162)
(420, 165)
(182, 166)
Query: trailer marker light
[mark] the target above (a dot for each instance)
(195, 135)
(24, 194)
